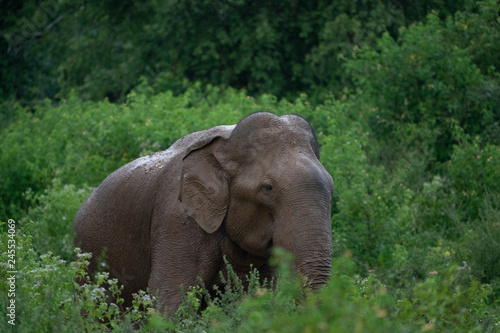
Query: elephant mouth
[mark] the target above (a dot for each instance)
(240, 256)
(263, 252)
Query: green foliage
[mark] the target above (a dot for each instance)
(49, 299)
(104, 50)
(421, 89)
(31, 52)
(475, 31)
(475, 171)
(348, 303)
(481, 243)
(372, 211)
(344, 305)
(50, 220)
(438, 303)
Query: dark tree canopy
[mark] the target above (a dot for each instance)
(103, 49)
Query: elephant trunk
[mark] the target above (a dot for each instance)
(306, 233)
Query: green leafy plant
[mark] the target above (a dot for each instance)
(439, 303)
(420, 87)
(50, 220)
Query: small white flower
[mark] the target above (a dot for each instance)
(97, 292)
(66, 301)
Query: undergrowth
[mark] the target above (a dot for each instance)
(49, 299)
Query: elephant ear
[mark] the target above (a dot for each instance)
(204, 189)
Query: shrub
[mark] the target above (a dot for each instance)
(371, 211)
(474, 30)
(481, 244)
(433, 206)
(50, 220)
(47, 297)
(474, 171)
(420, 88)
(440, 304)
(345, 304)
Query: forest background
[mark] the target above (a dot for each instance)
(404, 97)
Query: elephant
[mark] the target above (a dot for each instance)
(167, 220)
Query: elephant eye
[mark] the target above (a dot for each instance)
(267, 187)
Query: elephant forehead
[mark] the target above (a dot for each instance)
(265, 135)
(269, 141)
(277, 165)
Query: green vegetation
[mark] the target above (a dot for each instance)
(405, 102)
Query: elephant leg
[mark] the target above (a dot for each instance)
(169, 280)
(172, 273)
(167, 291)
(178, 262)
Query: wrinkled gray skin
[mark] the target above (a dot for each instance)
(233, 191)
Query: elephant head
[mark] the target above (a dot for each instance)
(263, 186)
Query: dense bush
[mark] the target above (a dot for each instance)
(423, 91)
(49, 299)
(475, 172)
(49, 220)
